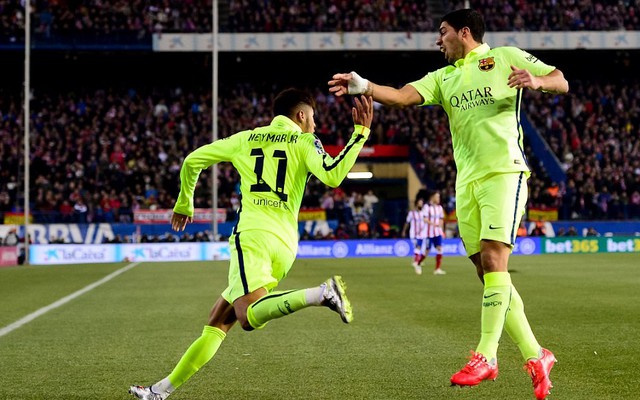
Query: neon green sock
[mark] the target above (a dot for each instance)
(495, 303)
(197, 355)
(518, 328)
(276, 305)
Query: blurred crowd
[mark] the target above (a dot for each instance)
(555, 15)
(100, 155)
(594, 133)
(423, 16)
(108, 19)
(138, 19)
(330, 16)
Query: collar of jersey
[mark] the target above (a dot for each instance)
(482, 49)
(283, 121)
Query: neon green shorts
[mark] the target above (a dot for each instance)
(258, 260)
(491, 208)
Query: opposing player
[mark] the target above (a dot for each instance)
(416, 226)
(274, 163)
(481, 92)
(434, 219)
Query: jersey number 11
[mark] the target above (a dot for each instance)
(261, 185)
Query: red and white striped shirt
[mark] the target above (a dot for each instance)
(434, 213)
(417, 226)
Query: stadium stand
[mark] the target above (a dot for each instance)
(86, 146)
(113, 20)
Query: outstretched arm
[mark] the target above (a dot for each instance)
(198, 160)
(332, 171)
(352, 83)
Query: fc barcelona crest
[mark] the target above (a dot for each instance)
(486, 64)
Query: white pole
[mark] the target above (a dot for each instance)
(27, 113)
(214, 110)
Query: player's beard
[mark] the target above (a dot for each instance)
(453, 52)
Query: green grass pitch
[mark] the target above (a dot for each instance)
(410, 333)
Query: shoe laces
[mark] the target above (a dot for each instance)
(536, 371)
(476, 361)
(330, 295)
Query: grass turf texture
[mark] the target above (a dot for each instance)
(410, 333)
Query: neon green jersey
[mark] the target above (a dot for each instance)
(483, 111)
(274, 163)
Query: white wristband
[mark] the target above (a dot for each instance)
(357, 84)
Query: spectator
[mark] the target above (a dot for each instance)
(370, 201)
(327, 203)
(522, 229)
(80, 210)
(538, 229)
(66, 211)
(572, 231)
(11, 239)
(591, 231)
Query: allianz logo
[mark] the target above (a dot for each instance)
(311, 250)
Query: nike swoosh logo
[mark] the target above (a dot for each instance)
(447, 78)
(491, 295)
(494, 227)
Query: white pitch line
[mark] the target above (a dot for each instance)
(25, 320)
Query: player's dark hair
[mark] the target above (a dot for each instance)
(458, 19)
(287, 101)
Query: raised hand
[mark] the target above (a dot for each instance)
(362, 111)
(339, 85)
(179, 221)
(522, 78)
(348, 83)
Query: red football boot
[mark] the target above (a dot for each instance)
(539, 370)
(476, 371)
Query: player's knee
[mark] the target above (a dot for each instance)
(492, 262)
(494, 256)
(243, 318)
(246, 325)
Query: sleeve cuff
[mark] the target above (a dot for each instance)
(184, 210)
(361, 130)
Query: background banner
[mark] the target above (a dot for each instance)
(163, 216)
(389, 41)
(205, 251)
(8, 256)
(575, 245)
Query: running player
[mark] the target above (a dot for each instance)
(274, 163)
